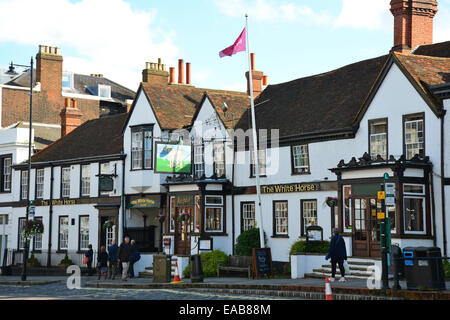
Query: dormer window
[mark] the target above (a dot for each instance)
(104, 91)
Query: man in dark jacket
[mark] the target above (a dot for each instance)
(133, 259)
(337, 253)
(112, 257)
(124, 257)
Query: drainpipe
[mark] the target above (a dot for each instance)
(121, 229)
(50, 219)
(433, 208)
(444, 225)
(232, 202)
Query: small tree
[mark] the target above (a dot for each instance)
(248, 240)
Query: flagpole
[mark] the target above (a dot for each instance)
(255, 142)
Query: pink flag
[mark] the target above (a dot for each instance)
(238, 46)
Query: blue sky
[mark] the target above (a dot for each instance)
(291, 38)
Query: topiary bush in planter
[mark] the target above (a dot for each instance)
(65, 262)
(248, 240)
(33, 261)
(209, 263)
(310, 247)
(446, 268)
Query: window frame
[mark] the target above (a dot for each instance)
(214, 206)
(36, 183)
(22, 196)
(404, 121)
(276, 234)
(420, 196)
(202, 164)
(59, 233)
(79, 233)
(3, 158)
(293, 168)
(369, 126)
(81, 180)
(245, 203)
(19, 234)
(61, 182)
(302, 215)
(40, 235)
(252, 165)
(142, 129)
(214, 144)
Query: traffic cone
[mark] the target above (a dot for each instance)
(328, 292)
(176, 277)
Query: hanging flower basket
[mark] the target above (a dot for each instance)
(332, 202)
(161, 217)
(32, 228)
(185, 216)
(109, 224)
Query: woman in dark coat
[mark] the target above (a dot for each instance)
(102, 263)
(90, 256)
(337, 253)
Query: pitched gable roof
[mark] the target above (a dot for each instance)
(317, 103)
(441, 49)
(176, 106)
(94, 138)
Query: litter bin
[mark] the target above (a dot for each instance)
(161, 269)
(196, 269)
(423, 268)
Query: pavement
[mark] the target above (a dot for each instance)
(238, 288)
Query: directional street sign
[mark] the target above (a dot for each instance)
(381, 195)
(32, 211)
(390, 194)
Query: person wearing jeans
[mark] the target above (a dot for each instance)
(124, 256)
(112, 263)
(337, 253)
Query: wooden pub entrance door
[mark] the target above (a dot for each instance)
(366, 229)
(182, 230)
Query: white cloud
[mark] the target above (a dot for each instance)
(270, 11)
(368, 14)
(109, 37)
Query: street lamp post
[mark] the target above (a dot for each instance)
(11, 71)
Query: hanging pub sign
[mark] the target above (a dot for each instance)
(142, 203)
(106, 183)
(173, 158)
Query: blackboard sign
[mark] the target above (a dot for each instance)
(262, 263)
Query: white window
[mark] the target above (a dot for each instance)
(309, 214)
(142, 148)
(85, 180)
(219, 159)
(281, 217)
(248, 215)
(104, 91)
(105, 169)
(21, 244)
(63, 238)
(378, 139)
(414, 208)
(7, 174)
(37, 240)
(24, 185)
(213, 213)
(414, 137)
(262, 162)
(39, 183)
(300, 155)
(110, 235)
(84, 233)
(65, 182)
(199, 164)
(136, 150)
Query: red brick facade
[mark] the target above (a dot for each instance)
(413, 23)
(48, 103)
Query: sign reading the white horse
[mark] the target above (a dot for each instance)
(173, 158)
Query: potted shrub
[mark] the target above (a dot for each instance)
(32, 262)
(66, 262)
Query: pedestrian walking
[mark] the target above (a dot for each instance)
(337, 253)
(134, 257)
(102, 262)
(90, 256)
(124, 257)
(112, 260)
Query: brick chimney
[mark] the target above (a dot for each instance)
(70, 117)
(413, 23)
(257, 77)
(155, 73)
(49, 63)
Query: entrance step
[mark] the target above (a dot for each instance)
(359, 269)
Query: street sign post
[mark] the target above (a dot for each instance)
(384, 236)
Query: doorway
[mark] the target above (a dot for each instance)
(182, 230)
(366, 230)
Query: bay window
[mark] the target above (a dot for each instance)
(142, 148)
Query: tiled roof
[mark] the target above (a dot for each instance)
(321, 102)
(176, 106)
(98, 137)
(435, 50)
